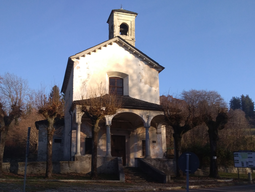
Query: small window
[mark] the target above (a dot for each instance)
(116, 85)
(123, 29)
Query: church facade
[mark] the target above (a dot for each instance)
(115, 66)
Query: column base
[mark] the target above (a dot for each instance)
(79, 157)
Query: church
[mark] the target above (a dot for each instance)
(116, 66)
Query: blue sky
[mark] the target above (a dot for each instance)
(207, 45)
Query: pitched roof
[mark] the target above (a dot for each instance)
(127, 103)
(122, 11)
(121, 42)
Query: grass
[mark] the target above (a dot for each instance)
(222, 175)
(252, 131)
(235, 176)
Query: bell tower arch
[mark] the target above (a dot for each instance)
(122, 23)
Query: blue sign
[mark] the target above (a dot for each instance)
(193, 162)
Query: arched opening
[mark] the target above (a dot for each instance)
(125, 141)
(123, 29)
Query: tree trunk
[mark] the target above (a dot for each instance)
(2, 145)
(213, 153)
(50, 133)
(177, 149)
(95, 130)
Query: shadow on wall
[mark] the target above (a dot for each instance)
(143, 80)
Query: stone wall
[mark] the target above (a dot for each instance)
(6, 167)
(82, 164)
(57, 146)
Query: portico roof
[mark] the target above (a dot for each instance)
(128, 103)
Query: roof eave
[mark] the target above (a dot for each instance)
(124, 44)
(122, 11)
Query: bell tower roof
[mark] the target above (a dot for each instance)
(122, 23)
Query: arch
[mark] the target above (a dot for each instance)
(116, 74)
(123, 29)
(158, 119)
(129, 118)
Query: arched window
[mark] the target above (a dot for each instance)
(123, 29)
(116, 85)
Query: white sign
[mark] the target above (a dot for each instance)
(244, 159)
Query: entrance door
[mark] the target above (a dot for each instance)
(119, 147)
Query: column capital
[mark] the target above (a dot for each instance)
(108, 120)
(147, 119)
(78, 117)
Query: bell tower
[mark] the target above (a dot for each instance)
(122, 23)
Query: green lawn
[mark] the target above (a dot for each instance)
(253, 131)
(235, 175)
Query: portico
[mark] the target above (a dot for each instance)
(131, 127)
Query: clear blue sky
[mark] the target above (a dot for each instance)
(202, 44)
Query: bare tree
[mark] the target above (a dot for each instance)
(236, 134)
(182, 117)
(96, 108)
(214, 113)
(15, 147)
(13, 95)
(52, 108)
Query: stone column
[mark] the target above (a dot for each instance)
(78, 115)
(108, 119)
(160, 151)
(163, 138)
(78, 139)
(147, 143)
(108, 141)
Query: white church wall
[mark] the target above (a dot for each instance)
(90, 74)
